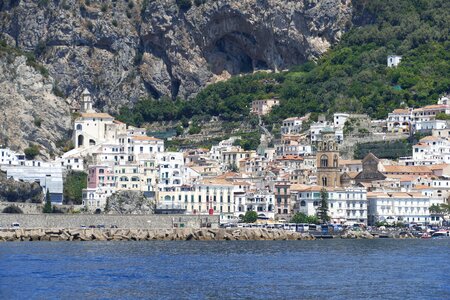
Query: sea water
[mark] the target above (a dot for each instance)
(321, 269)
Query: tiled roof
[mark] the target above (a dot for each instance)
(96, 115)
(406, 169)
(144, 138)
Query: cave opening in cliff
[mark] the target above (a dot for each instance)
(234, 53)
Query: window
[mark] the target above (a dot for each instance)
(303, 203)
(324, 161)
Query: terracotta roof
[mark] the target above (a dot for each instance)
(344, 162)
(216, 181)
(96, 115)
(401, 111)
(406, 169)
(144, 138)
(438, 166)
(431, 107)
(395, 195)
(291, 157)
(430, 138)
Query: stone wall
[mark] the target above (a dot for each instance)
(121, 221)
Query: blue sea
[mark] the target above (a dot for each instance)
(321, 269)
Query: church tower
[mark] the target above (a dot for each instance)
(86, 102)
(327, 160)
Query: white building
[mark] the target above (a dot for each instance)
(171, 165)
(393, 60)
(292, 125)
(431, 150)
(400, 120)
(9, 157)
(339, 119)
(346, 205)
(261, 201)
(398, 207)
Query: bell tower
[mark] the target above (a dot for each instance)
(327, 160)
(86, 102)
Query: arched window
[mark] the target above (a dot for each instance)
(324, 181)
(330, 146)
(167, 198)
(324, 161)
(80, 140)
(79, 127)
(335, 161)
(316, 203)
(303, 203)
(91, 142)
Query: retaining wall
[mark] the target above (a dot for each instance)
(121, 221)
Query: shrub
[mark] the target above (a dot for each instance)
(195, 129)
(12, 209)
(37, 121)
(32, 151)
(104, 7)
(114, 22)
(184, 4)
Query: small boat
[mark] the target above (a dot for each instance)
(441, 234)
(425, 235)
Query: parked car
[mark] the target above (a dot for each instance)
(83, 226)
(15, 225)
(114, 226)
(91, 226)
(101, 226)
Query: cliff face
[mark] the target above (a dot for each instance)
(124, 50)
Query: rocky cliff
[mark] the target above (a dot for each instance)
(17, 191)
(125, 50)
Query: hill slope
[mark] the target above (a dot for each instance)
(351, 77)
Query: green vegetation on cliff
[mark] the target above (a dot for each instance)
(351, 77)
(74, 184)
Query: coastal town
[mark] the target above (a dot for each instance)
(292, 176)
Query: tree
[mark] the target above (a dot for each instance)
(299, 218)
(322, 211)
(74, 183)
(48, 204)
(250, 217)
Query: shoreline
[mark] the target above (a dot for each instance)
(177, 234)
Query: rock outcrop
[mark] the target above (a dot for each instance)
(17, 191)
(29, 111)
(124, 50)
(129, 202)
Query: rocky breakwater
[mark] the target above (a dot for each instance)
(367, 235)
(115, 234)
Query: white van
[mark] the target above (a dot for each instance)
(15, 225)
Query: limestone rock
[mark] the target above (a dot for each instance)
(155, 48)
(129, 202)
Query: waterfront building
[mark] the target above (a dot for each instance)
(346, 205)
(401, 207)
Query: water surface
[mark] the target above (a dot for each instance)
(322, 269)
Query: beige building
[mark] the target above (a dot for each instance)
(263, 107)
